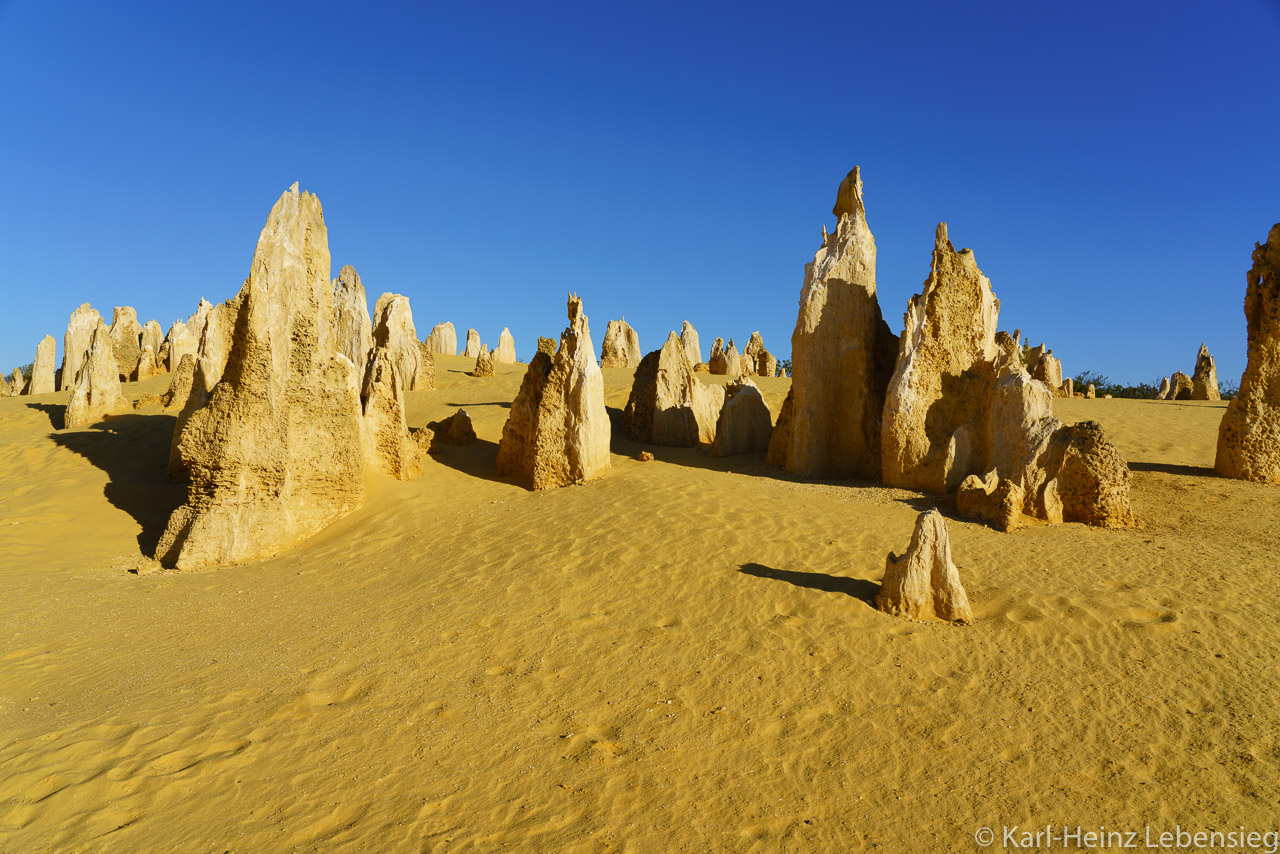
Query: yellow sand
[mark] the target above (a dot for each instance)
(681, 656)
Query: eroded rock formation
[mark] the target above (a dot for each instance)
(126, 337)
(505, 353)
(745, 423)
(443, 339)
(473, 344)
(689, 340)
(668, 405)
(842, 355)
(352, 326)
(1249, 435)
(75, 344)
(97, 391)
(924, 583)
(393, 330)
(1204, 381)
(387, 444)
(558, 430)
(621, 348)
(276, 453)
(484, 363)
(42, 370)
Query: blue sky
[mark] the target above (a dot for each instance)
(1111, 164)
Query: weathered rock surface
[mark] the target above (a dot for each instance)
(126, 337)
(484, 363)
(387, 444)
(473, 344)
(17, 383)
(146, 367)
(505, 353)
(992, 499)
(924, 583)
(1249, 435)
(352, 326)
(443, 339)
(75, 344)
(1163, 394)
(1180, 387)
(454, 430)
(558, 430)
(152, 336)
(42, 370)
(756, 360)
(745, 424)
(689, 340)
(182, 340)
(936, 401)
(426, 369)
(97, 391)
(1088, 476)
(842, 355)
(1068, 387)
(621, 348)
(393, 330)
(276, 454)
(1090, 392)
(668, 405)
(1204, 381)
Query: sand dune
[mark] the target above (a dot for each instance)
(679, 656)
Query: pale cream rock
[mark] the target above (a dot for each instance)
(42, 370)
(212, 352)
(126, 335)
(937, 398)
(558, 430)
(1249, 434)
(505, 353)
(484, 363)
(1204, 381)
(388, 446)
(393, 330)
(689, 340)
(1090, 392)
(352, 327)
(175, 397)
(97, 391)
(992, 499)
(443, 339)
(17, 383)
(473, 344)
(745, 424)
(75, 344)
(1163, 394)
(276, 454)
(1068, 387)
(621, 348)
(182, 341)
(924, 583)
(668, 405)
(146, 367)
(842, 355)
(153, 337)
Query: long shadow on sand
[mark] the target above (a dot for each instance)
(479, 459)
(858, 588)
(505, 404)
(134, 452)
(57, 413)
(1193, 471)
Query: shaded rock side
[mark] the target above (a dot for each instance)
(454, 430)
(126, 337)
(941, 386)
(443, 339)
(558, 430)
(97, 391)
(426, 369)
(276, 454)
(993, 499)
(924, 584)
(42, 369)
(146, 367)
(668, 405)
(842, 355)
(1180, 387)
(1249, 434)
(1165, 388)
(745, 424)
(75, 343)
(1087, 477)
(621, 348)
(352, 326)
(505, 352)
(473, 344)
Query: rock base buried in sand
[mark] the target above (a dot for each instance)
(924, 584)
(454, 430)
(991, 499)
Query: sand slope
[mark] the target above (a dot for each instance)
(680, 656)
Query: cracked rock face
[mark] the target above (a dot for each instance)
(1249, 435)
(75, 344)
(275, 454)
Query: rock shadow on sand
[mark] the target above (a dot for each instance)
(1167, 468)
(134, 452)
(478, 459)
(858, 588)
(57, 413)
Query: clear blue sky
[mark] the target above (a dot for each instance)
(1111, 163)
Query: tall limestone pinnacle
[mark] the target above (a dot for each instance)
(275, 454)
(842, 353)
(1249, 435)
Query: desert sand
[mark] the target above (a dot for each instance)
(683, 655)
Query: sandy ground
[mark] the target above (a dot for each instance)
(679, 657)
